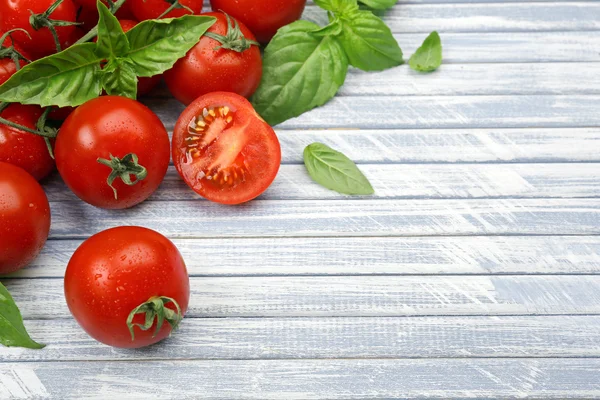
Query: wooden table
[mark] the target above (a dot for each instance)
(474, 272)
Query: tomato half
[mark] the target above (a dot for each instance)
(24, 218)
(152, 9)
(262, 17)
(208, 67)
(24, 149)
(17, 13)
(224, 150)
(118, 270)
(112, 136)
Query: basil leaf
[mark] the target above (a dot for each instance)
(335, 171)
(428, 57)
(337, 6)
(69, 78)
(379, 4)
(119, 79)
(301, 71)
(112, 41)
(12, 330)
(369, 42)
(156, 45)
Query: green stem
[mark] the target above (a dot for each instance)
(51, 134)
(39, 21)
(175, 4)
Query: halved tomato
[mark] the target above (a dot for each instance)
(224, 150)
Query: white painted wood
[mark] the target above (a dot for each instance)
(305, 379)
(322, 338)
(392, 112)
(474, 17)
(356, 256)
(411, 181)
(374, 296)
(348, 218)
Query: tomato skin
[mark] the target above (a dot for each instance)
(16, 13)
(24, 218)
(262, 17)
(152, 9)
(91, 8)
(204, 70)
(118, 126)
(257, 141)
(7, 66)
(115, 271)
(24, 149)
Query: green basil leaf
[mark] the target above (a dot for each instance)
(379, 4)
(69, 78)
(155, 45)
(428, 57)
(369, 42)
(119, 79)
(112, 41)
(12, 330)
(335, 171)
(301, 71)
(337, 6)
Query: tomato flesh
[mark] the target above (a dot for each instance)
(224, 150)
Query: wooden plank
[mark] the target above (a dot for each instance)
(322, 338)
(355, 256)
(368, 296)
(473, 17)
(393, 112)
(305, 379)
(409, 182)
(348, 218)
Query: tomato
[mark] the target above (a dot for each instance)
(262, 17)
(7, 65)
(224, 150)
(113, 273)
(107, 127)
(61, 113)
(206, 68)
(91, 10)
(24, 218)
(152, 9)
(24, 149)
(17, 13)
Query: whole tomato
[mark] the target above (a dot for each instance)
(23, 149)
(152, 9)
(262, 17)
(24, 218)
(112, 152)
(227, 59)
(121, 278)
(41, 43)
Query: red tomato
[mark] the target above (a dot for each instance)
(152, 9)
(24, 149)
(118, 127)
(24, 218)
(113, 273)
(262, 17)
(204, 69)
(91, 9)
(7, 66)
(60, 114)
(224, 150)
(17, 13)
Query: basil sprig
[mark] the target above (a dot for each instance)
(76, 75)
(305, 64)
(12, 330)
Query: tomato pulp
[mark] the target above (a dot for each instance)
(116, 271)
(24, 218)
(224, 150)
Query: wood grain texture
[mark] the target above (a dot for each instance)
(366, 296)
(326, 338)
(305, 379)
(364, 256)
(347, 218)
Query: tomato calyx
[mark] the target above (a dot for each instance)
(124, 168)
(10, 51)
(153, 309)
(43, 20)
(234, 39)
